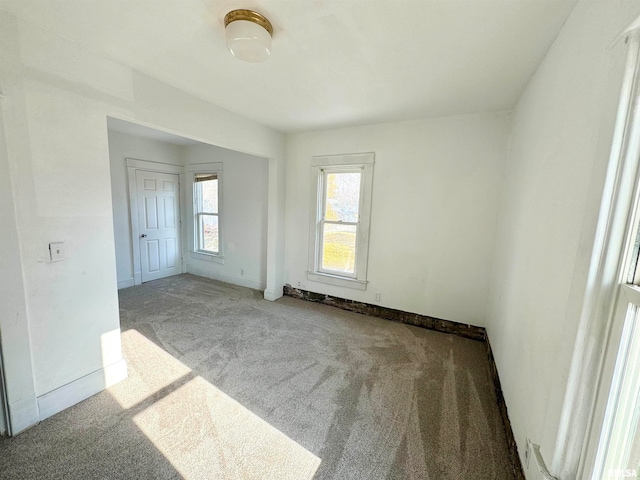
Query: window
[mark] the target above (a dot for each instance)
(207, 224)
(339, 228)
(206, 236)
(619, 453)
(615, 306)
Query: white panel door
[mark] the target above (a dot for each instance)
(159, 224)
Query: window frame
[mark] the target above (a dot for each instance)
(596, 377)
(320, 167)
(200, 215)
(197, 217)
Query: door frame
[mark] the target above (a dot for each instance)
(133, 165)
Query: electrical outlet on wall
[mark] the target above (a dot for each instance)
(377, 296)
(527, 453)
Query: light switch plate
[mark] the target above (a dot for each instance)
(56, 251)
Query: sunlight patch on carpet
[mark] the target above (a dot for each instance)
(203, 432)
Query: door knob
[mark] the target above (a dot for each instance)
(144, 235)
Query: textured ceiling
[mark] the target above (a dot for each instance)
(334, 62)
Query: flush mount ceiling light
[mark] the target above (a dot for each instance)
(248, 35)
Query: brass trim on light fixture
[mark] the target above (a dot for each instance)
(250, 16)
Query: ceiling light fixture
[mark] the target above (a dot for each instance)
(248, 35)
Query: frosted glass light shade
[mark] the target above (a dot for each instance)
(248, 41)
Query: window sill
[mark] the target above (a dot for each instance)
(337, 280)
(208, 257)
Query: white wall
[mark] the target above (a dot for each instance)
(14, 330)
(58, 98)
(244, 216)
(436, 187)
(554, 176)
(121, 147)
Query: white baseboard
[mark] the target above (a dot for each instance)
(227, 278)
(68, 395)
(129, 282)
(23, 414)
(271, 295)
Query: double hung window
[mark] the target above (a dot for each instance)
(618, 451)
(339, 228)
(619, 454)
(207, 213)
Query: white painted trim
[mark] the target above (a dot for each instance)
(192, 169)
(319, 165)
(129, 282)
(207, 257)
(68, 395)
(579, 425)
(632, 29)
(154, 166)
(337, 280)
(272, 296)
(632, 294)
(23, 413)
(134, 164)
(367, 158)
(227, 278)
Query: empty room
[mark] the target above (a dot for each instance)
(320, 239)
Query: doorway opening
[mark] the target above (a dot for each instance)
(156, 183)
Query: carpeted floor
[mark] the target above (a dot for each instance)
(225, 385)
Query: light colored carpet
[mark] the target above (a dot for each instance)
(225, 385)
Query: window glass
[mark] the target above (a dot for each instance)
(339, 248)
(210, 237)
(210, 196)
(342, 197)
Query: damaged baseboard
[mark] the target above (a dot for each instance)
(533, 450)
(512, 446)
(424, 321)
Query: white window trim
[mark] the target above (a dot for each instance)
(583, 413)
(320, 164)
(213, 168)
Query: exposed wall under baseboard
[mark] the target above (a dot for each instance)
(511, 440)
(437, 324)
(431, 323)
